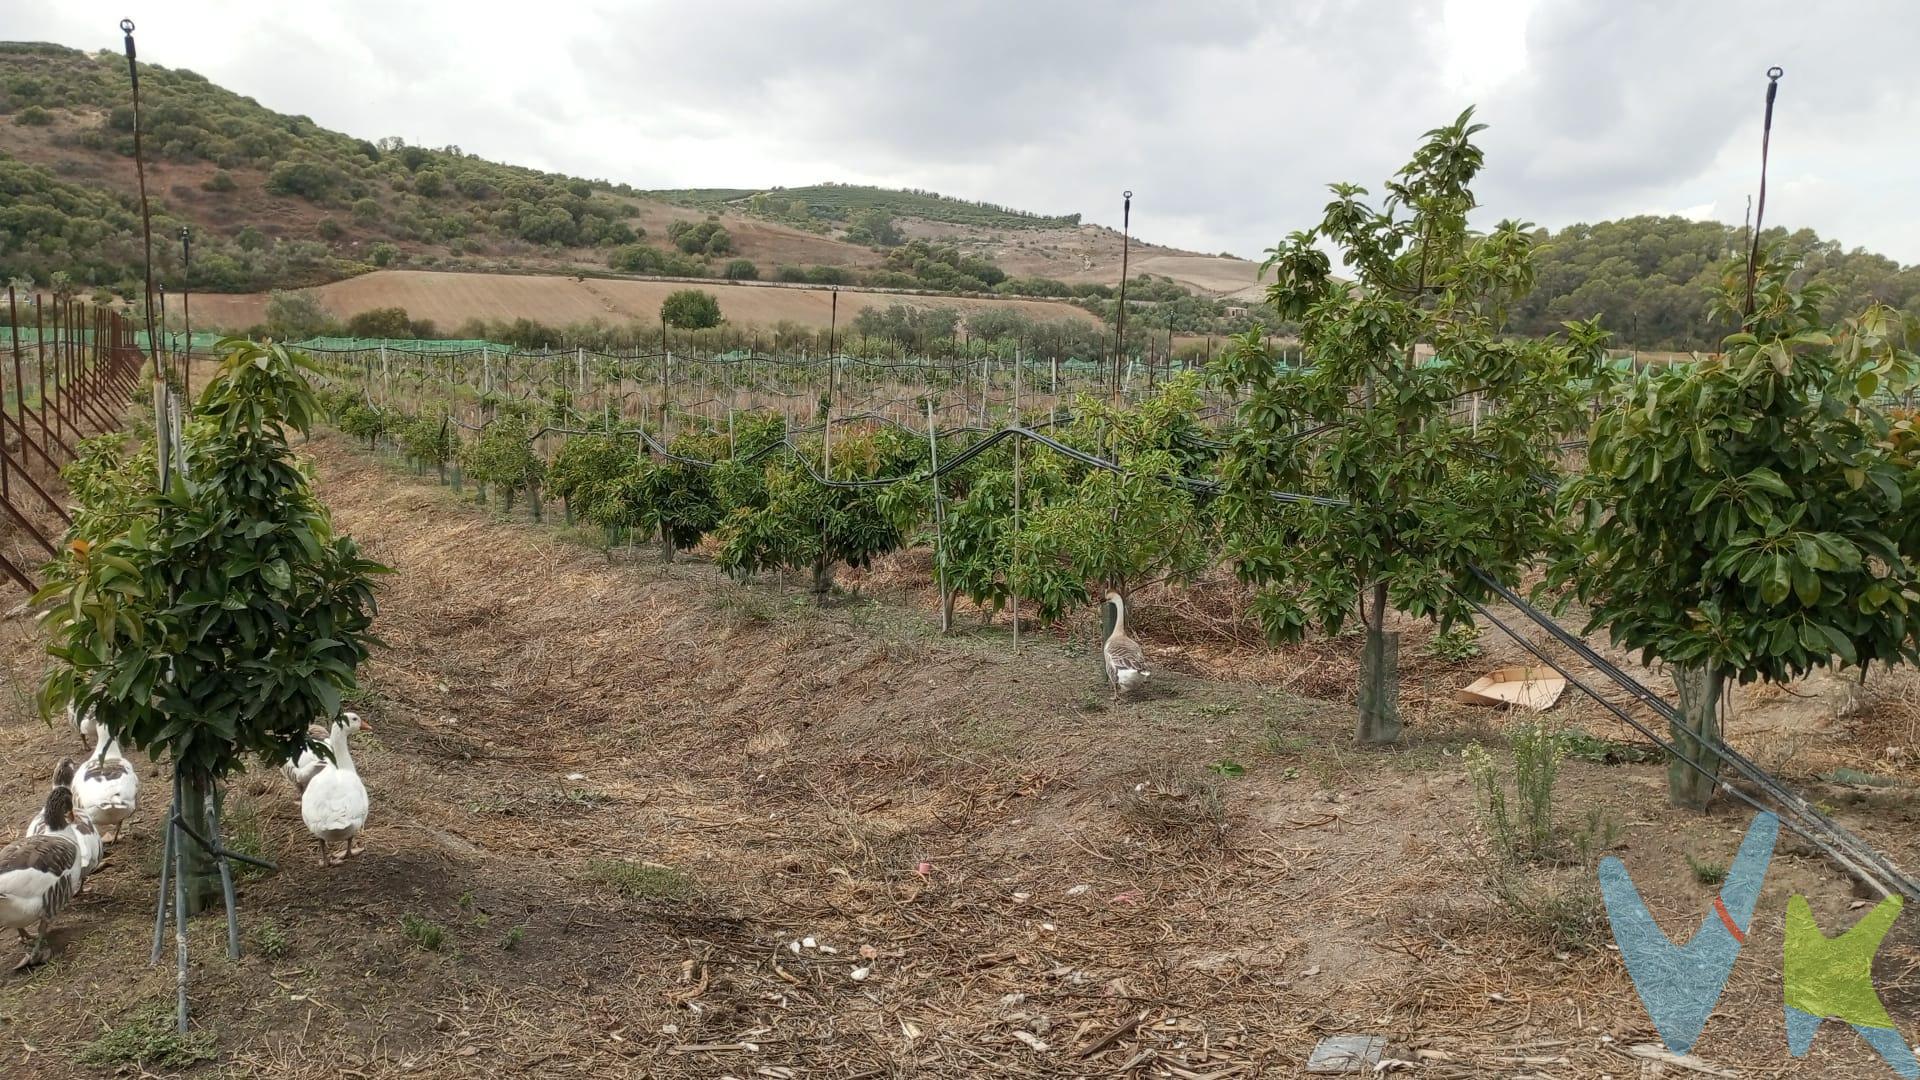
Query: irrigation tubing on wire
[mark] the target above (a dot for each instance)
(1901, 883)
(1740, 762)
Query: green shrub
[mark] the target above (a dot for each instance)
(691, 309)
(1526, 830)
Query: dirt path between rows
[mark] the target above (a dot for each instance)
(667, 825)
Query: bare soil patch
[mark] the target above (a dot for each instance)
(451, 298)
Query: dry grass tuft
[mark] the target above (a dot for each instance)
(1175, 803)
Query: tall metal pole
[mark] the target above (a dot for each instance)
(166, 350)
(186, 306)
(1760, 212)
(140, 170)
(1120, 320)
(826, 434)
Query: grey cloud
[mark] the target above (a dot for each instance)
(1227, 119)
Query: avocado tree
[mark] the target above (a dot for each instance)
(799, 522)
(215, 620)
(583, 464)
(1750, 515)
(1417, 469)
(503, 458)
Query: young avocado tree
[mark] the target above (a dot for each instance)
(1411, 483)
(581, 471)
(800, 522)
(1750, 515)
(675, 497)
(503, 458)
(1116, 531)
(215, 620)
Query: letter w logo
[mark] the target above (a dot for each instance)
(1679, 984)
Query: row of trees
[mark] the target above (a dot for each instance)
(1745, 517)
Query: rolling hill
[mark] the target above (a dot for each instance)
(277, 202)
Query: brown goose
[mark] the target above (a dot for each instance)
(88, 837)
(1126, 661)
(39, 874)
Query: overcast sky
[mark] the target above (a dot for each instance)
(1227, 120)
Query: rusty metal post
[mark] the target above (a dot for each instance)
(186, 308)
(1120, 317)
(140, 170)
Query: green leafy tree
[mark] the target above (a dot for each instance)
(1414, 493)
(582, 472)
(361, 419)
(503, 457)
(1750, 515)
(674, 500)
(385, 322)
(216, 620)
(428, 440)
(803, 523)
(691, 309)
(875, 227)
(293, 315)
(741, 270)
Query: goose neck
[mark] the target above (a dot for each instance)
(337, 742)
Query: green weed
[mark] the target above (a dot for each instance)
(148, 1039)
(635, 881)
(1706, 872)
(424, 933)
(269, 940)
(1456, 645)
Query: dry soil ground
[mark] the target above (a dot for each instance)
(450, 299)
(660, 824)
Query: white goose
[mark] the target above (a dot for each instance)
(39, 874)
(334, 804)
(86, 725)
(1126, 661)
(88, 837)
(301, 770)
(107, 789)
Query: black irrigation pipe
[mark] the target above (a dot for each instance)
(1904, 885)
(1740, 762)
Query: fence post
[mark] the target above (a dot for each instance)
(939, 522)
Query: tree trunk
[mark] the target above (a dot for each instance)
(822, 577)
(202, 878)
(442, 465)
(538, 504)
(566, 509)
(946, 610)
(1379, 676)
(666, 544)
(1696, 733)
